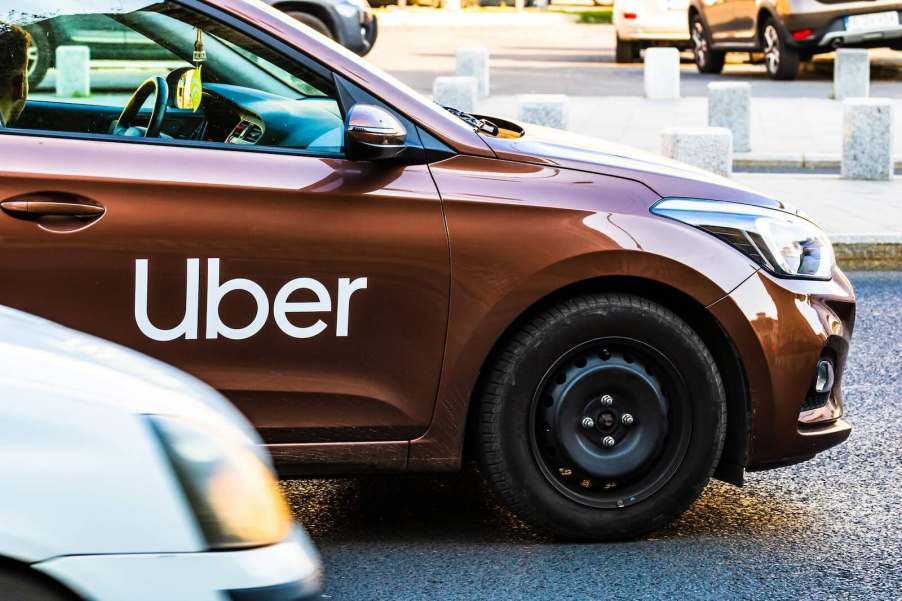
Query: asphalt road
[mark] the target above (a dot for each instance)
(825, 529)
(553, 54)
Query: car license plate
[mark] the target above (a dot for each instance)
(872, 21)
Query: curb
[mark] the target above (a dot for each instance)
(753, 161)
(868, 252)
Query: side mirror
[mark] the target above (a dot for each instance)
(373, 134)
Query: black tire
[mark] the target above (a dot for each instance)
(654, 365)
(40, 56)
(706, 59)
(626, 52)
(781, 60)
(312, 22)
(22, 584)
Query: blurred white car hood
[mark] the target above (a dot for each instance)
(41, 355)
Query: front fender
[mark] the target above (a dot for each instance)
(532, 231)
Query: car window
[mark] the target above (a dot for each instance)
(223, 87)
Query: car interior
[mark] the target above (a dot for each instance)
(228, 90)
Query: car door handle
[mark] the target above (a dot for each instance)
(52, 204)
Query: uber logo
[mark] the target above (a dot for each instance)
(217, 290)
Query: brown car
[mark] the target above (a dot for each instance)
(383, 285)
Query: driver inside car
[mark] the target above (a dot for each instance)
(14, 42)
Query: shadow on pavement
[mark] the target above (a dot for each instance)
(451, 508)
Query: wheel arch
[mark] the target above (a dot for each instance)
(314, 9)
(735, 452)
(21, 568)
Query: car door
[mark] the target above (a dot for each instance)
(311, 290)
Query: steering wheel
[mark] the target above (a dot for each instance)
(125, 126)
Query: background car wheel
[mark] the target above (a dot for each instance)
(39, 56)
(21, 584)
(602, 418)
(706, 59)
(312, 22)
(626, 52)
(782, 62)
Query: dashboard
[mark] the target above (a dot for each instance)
(237, 115)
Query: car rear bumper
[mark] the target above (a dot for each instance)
(828, 28)
(781, 329)
(289, 571)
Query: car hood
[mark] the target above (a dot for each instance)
(665, 177)
(38, 354)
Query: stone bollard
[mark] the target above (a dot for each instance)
(867, 139)
(73, 71)
(730, 106)
(662, 73)
(851, 74)
(474, 62)
(457, 92)
(451, 4)
(549, 110)
(709, 148)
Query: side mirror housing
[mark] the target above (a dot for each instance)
(373, 134)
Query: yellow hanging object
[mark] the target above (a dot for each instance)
(190, 91)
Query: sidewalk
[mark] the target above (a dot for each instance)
(790, 133)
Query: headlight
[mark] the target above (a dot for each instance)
(783, 243)
(231, 490)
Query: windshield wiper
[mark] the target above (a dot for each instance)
(479, 125)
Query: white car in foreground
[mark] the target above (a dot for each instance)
(643, 23)
(125, 479)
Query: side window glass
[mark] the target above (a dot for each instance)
(162, 71)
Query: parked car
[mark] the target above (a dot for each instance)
(789, 33)
(125, 478)
(351, 23)
(381, 284)
(643, 23)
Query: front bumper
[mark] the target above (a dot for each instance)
(781, 328)
(289, 571)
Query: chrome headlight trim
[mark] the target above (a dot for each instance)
(784, 243)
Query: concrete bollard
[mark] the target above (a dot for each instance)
(474, 62)
(730, 106)
(709, 148)
(549, 110)
(867, 139)
(451, 4)
(457, 92)
(73, 71)
(662, 73)
(851, 74)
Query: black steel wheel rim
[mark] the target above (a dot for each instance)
(614, 388)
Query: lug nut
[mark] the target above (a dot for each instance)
(627, 419)
(566, 472)
(607, 400)
(585, 483)
(608, 441)
(588, 423)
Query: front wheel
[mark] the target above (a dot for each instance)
(707, 60)
(39, 56)
(781, 60)
(602, 418)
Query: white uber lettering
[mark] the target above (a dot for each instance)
(282, 307)
(215, 294)
(217, 290)
(188, 326)
(346, 288)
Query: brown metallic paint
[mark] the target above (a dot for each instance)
(270, 218)
(456, 252)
